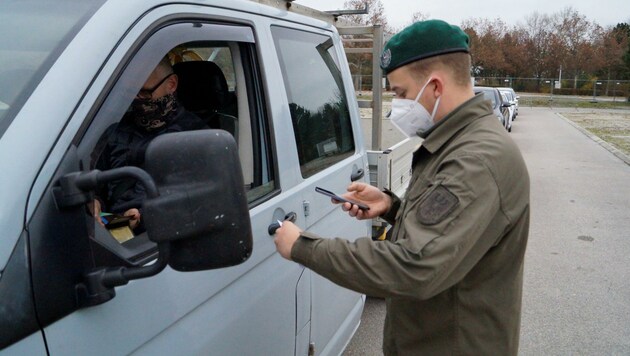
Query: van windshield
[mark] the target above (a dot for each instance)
(34, 33)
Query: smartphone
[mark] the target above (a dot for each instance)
(340, 199)
(114, 221)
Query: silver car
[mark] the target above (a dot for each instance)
(510, 109)
(513, 100)
(499, 105)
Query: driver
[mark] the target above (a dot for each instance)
(154, 111)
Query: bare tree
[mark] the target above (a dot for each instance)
(376, 15)
(514, 44)
(419, 16)
(361, 63)
(485, 44)
(540, 42)
(537, 48)
(576, 34)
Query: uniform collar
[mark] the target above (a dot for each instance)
(460, 117)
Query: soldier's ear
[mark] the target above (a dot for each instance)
(437, 86)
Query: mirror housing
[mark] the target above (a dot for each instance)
(201, 209)
(195, 209)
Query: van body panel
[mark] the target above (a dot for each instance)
(31, 345)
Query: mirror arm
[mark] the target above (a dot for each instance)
(118, 276)
(90, 180)
(98, 285)
(74, 189)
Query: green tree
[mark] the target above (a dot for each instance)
(621, 33)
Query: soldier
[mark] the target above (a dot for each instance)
(452, 272)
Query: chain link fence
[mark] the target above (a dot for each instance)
(579, 87)
(613, 89)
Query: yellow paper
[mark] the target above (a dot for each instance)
(122, 234)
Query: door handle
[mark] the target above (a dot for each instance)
(290, 217)
(275, 226)
(357, 174)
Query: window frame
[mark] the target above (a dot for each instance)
(136, 67)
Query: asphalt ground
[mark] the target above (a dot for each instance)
(576, 294)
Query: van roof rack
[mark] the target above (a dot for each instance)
(331, 17)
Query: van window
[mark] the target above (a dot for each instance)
(317, 100)
(216, 87)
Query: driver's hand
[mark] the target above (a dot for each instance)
(95, 209)
(135, 217)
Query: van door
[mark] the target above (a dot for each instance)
(249, 309)
(330, 154)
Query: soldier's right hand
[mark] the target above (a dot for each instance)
(369, 195)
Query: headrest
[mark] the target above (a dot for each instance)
(202, 85)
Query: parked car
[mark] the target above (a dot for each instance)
(511, 95)
(499, 105)
(509, 110)
(516, 97)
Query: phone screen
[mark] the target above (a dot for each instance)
(338, 198)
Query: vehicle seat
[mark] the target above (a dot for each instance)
(203, 90)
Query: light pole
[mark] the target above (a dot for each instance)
(551, 90)
(595, 84)
(615, 91)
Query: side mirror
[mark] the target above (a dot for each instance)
(201, 209)
(195, 210)
(506, 104)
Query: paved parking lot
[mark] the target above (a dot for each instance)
(577, 289)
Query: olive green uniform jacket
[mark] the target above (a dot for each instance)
(452, 273)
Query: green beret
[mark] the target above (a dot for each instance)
(422, 40)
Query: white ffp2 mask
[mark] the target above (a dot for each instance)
(409, 116)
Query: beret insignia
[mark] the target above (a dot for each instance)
(386, 58)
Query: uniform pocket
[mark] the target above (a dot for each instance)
(417, 187)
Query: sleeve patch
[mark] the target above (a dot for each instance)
(436, 206)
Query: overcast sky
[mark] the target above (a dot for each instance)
(604, 12)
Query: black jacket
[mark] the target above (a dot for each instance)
(124, 144)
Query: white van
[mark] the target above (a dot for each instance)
(205, 277)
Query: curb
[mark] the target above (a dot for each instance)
(622, 156)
